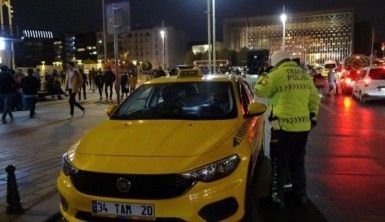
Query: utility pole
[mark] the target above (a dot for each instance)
(209, 32)
(104, 31)
(1, 16)
(116, 26)
(214, 40)
(247, 24)
(10, 32)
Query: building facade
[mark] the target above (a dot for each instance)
(204, 48)
(7, 31)
(34, 48)
(313, 37)
(147, 45)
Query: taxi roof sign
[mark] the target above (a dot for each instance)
(189, 73)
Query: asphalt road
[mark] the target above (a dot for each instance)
(346, 160)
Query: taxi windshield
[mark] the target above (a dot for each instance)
(187, 100)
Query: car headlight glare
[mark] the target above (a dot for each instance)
(214, 171)
(67, 167)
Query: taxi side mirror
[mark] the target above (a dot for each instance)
(111, 108)
(255, 109)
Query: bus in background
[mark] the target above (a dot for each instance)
(349, 70)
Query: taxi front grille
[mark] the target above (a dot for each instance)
(141, 186)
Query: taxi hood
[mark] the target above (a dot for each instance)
(151, 138)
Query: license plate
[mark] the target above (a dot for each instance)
(381, 89)
(123, 210)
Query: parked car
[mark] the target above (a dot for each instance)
(370, 84)
(177, 149)
(347, 80)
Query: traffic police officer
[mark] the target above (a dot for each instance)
(294, 104)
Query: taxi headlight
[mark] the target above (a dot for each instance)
(67, 167)
(214, 171)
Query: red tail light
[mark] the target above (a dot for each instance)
(348, 80)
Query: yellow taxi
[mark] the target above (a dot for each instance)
(179, 148)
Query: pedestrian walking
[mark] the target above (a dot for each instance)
(83, 87)
(56, 84)
(109, 79)
(7, 88)
(124, 84)
(332, 82)
(73, 83)
(91, 79)
(99, 81)
(294, 103)
(133, 79)
(19, 98)
(30, 87)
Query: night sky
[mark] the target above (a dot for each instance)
(188, 15)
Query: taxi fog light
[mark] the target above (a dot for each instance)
(214, 171)
(67, 167)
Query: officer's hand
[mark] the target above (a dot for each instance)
(313, 123)
(313, 120)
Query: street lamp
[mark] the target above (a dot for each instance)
(163, 36)
(283, 18)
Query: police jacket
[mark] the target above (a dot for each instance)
(292, 95)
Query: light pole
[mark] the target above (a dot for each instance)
(163, 36)
(214, 39)
(104, 32)
(209, 33)
(283, 18)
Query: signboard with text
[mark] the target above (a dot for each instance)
(119, 17)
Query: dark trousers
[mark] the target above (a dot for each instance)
(73, 102)
(30, 103)
(287, 152)
(108, 85)
(84, 92)
(100, 89)
(6, 100)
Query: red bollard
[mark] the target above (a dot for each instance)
(13, 197)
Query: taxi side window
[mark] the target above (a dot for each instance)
(246, 95)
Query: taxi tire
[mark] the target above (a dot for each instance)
(250, 209)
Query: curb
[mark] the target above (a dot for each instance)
(46, 210)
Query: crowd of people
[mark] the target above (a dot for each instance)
(20, 91)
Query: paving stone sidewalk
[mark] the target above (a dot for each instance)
(35, 147)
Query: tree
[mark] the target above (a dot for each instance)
(189, 58)
(233, 58)
(242, 57)
(146, 66)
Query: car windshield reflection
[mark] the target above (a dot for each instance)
(189, 100)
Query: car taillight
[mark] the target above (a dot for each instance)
(348, 80)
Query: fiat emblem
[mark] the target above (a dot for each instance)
(123, 185)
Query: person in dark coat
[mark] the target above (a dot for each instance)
(124, 84)
(7, 88)
(109, 79)
(99, 81)
(30, 86)
(83, 87)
